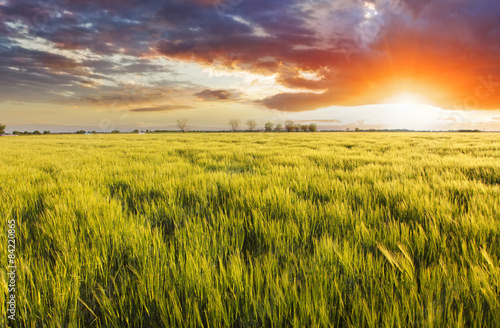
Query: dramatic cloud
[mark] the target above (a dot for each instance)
(327, 52)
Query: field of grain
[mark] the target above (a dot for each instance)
(253, 230)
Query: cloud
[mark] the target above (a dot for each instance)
(405, 48)
(445, 50)
(130, 96)
(60, 64)
(296, 102)
(137, 66)
(214, 95)
(165, 108)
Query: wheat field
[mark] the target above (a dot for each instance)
(253, 229)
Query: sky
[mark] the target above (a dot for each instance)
(103, 65)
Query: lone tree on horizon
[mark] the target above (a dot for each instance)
(182, 124)
(2, 128)
(289, 126)
(269, 127)
(251, 125)
(234, 123)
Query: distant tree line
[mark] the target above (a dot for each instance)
(469, 130)
(36, 132)
(234, 124)
(183, 126)
(290, 126)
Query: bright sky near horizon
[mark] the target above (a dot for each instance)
(102, 65)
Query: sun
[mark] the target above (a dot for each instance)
(408, 98)
(412, 111)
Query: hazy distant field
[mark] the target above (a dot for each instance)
(250, 230)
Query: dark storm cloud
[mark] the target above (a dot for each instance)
(359, 58)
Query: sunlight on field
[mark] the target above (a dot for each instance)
(250, 230)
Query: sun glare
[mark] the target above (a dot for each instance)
(370, 10)
(407, 98)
